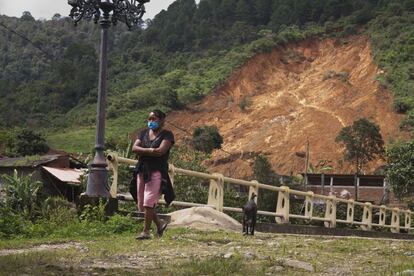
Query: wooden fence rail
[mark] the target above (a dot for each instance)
(283, 212)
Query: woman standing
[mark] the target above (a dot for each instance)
(153, 148)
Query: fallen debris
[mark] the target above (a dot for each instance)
(204, 218)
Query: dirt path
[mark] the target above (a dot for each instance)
(42, 247)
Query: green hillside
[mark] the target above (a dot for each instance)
(183, 54)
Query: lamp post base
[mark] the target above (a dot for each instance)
(97, 185)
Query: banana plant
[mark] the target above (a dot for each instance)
(21, 192)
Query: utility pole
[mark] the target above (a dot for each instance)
(306, 163)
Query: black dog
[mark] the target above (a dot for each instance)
(249, 216)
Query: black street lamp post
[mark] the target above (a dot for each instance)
(106, 12)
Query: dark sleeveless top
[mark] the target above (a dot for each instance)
(148, 164)
(155, 163)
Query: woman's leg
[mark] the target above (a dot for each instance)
(140, 192)
(149, 216)
(156, 220)
(151, 195)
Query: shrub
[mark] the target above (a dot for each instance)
(120, 224)
(265, 44)
(169, 98)
(407, 123)
(244, 103)
(290, 34)
(188, 188)
(21, 193)
(12, 224)
(328, 75)
(7, 139)
(30, 143)
(92, 213)
(400, 169)
(343, 75)
(58, 210)
(402, 105)
(207, 138)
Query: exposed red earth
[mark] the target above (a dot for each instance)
(304, 91)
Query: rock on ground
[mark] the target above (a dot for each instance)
(297, 264)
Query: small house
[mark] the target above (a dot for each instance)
(52, 170)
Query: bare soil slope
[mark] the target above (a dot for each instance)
(306, 91)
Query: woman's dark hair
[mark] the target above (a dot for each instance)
(159, 114)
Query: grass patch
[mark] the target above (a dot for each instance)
(82, 139)
(214, 266)
(39, 263)
(79, 139)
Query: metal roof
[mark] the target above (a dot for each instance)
(28, 161)
(66, 174)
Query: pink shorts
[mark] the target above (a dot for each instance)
(149, 193)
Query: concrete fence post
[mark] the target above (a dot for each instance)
(330, 212)
(407, 219)
(309, 205)
(216, 192)
(254, 189)
(367, 216)
(171, 173)
(350, 211)
(283, 204)
(395, 220)
(382, 215)
(112, 158)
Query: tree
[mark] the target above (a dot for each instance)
(207, 138)
(400, 168)
(262, 172)
(27, 16)
(244, 12)
(282, 14)
(226, 12)
(363, 142)
(56, 17)
(76, 72)
(30, 143)
(263, 11)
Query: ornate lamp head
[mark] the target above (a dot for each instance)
(128, 11)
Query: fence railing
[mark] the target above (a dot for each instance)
(283, 211)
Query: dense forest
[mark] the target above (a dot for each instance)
(50, 82)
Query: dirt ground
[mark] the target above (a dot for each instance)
(202, 241)
(185, 251)
(303, 92)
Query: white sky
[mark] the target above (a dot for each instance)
(47, 8)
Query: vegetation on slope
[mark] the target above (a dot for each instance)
(183, 54)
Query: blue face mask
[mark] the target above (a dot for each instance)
(153, 124)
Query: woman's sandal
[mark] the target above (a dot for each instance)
(160, 232)
(143, 236)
